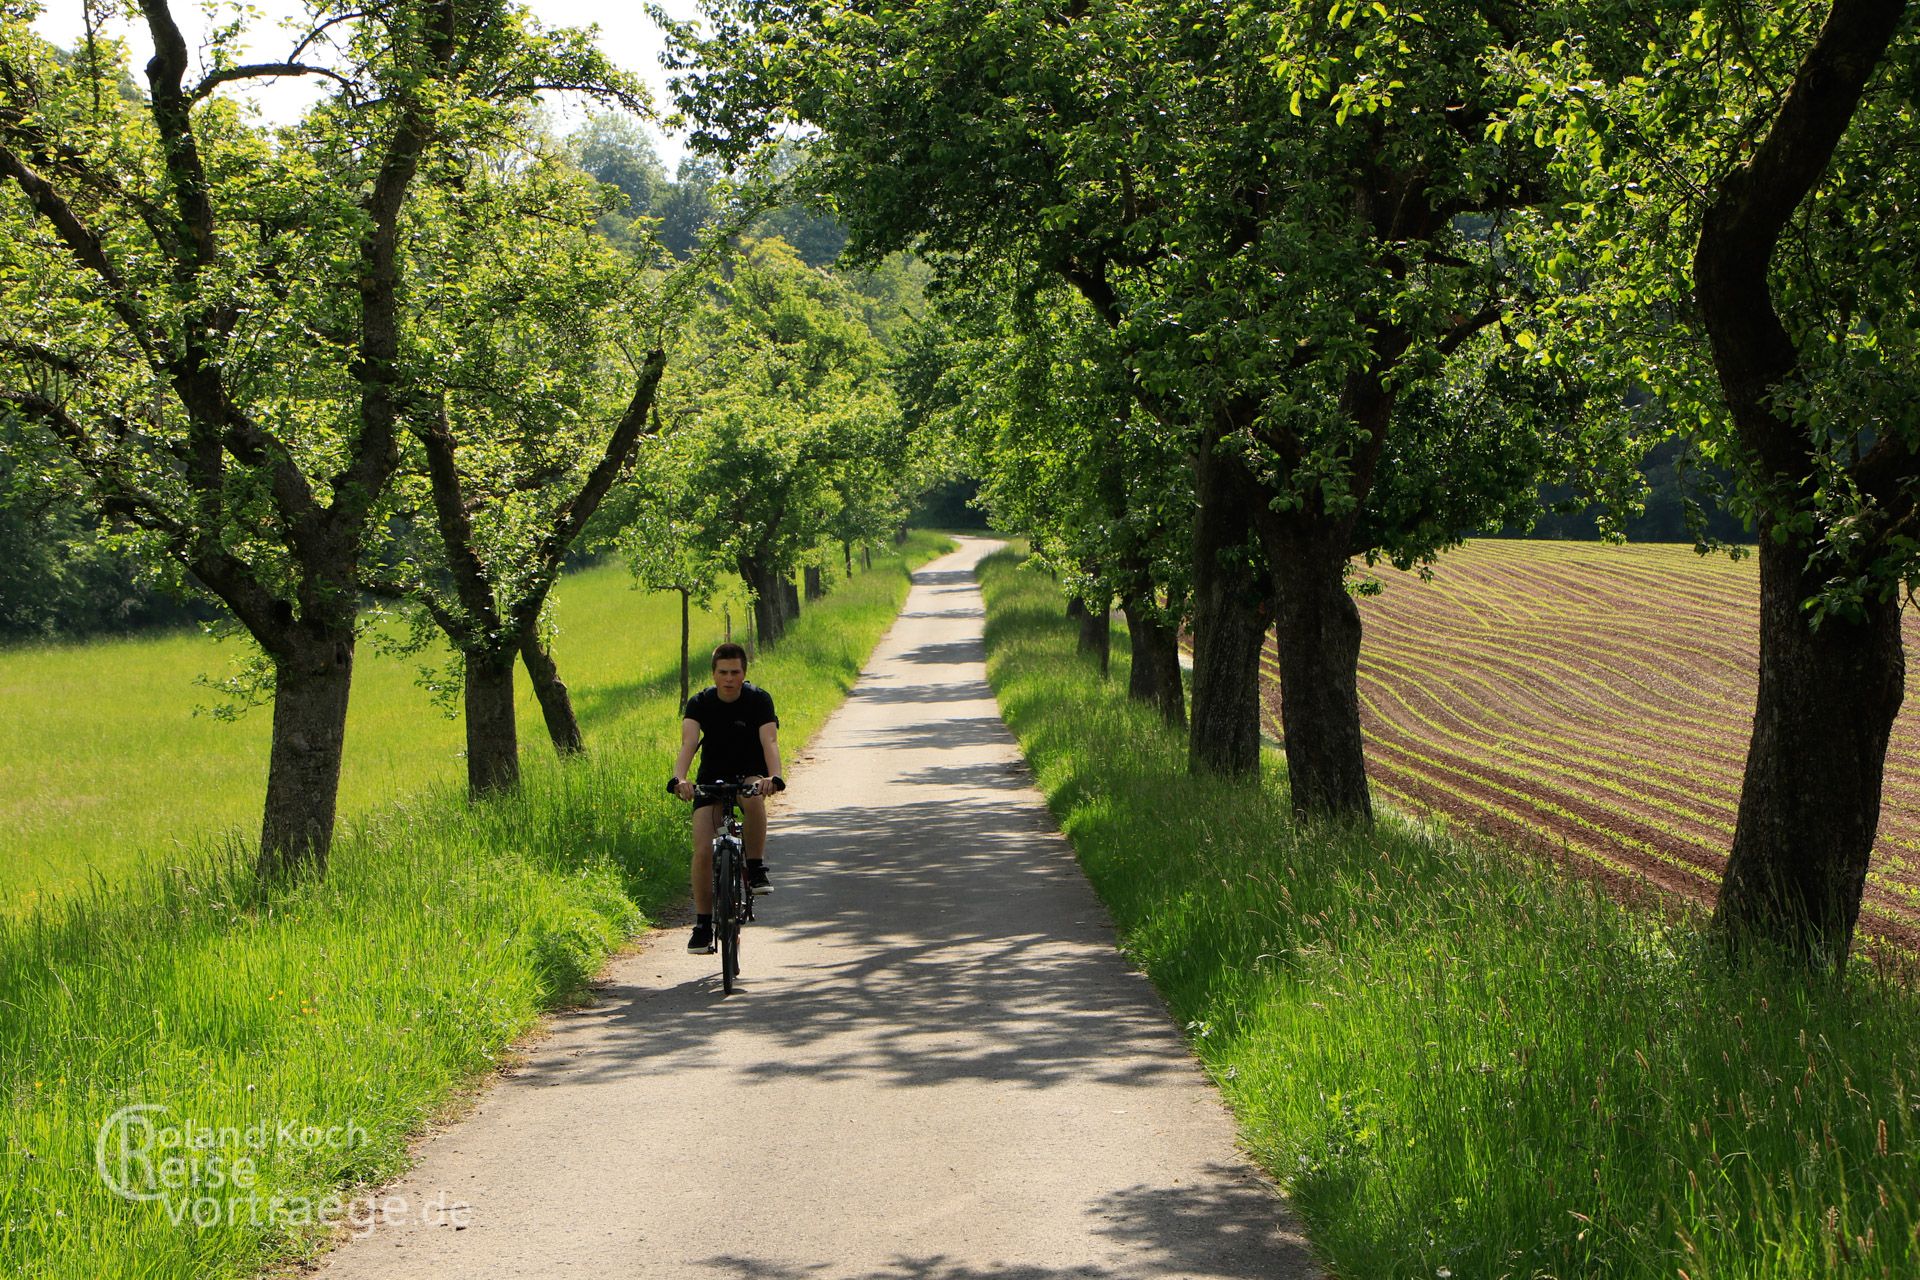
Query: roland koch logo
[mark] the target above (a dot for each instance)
(218, 1175)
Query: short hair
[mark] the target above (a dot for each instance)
(729, 650)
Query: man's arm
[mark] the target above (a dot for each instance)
(770, 747)
(689, 743)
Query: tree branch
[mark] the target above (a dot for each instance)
(115, 490)
(166, 73)
(1752, 351)
(376, 450)
(42, 355)
(470, 581)
(574, 514)
(446, 619)
(55, 157)
(1467, 326)
(261, 71)
(259, 610)
(323, 28)
(255, 446)
(82, 244)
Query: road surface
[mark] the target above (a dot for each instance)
(936, 1067)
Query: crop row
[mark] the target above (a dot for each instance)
(1594, 703)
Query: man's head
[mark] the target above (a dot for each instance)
(729, 668)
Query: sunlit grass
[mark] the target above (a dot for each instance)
(1456, 1062)
(105, 765)
(358, 1004)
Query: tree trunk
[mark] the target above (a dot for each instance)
(1810, 800)
(556, 704)
(686, 656)
(1096, 635)
(310, 692)
(790, 592)
(1229, 625)
(767, 609)
(769, 601)
(1318, 627)
(846, 554)
(816, 583)
(493, 742)
(1142, 676)
(1155, 677)
(866, 557)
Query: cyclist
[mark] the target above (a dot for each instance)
(733, 726)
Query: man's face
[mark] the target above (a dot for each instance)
(728, 675)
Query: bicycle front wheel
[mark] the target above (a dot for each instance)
(729, 957)
(726, 910)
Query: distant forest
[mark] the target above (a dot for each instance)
(1671, 474)
(57, 578)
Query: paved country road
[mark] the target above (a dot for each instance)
(937, 1066)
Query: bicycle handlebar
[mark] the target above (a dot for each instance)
(730, 788)
(725, 789)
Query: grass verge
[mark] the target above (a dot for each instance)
(1456, 1063)
(309, 1029)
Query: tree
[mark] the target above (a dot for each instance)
(614, 148)
(1274, 208)
(59, 576)
(784, 390)
(1041, 397)
(687, 206)
(975, 173)
(535, 362)
(666, 545)
(210, 322)
(804, 223)
(1745, 240)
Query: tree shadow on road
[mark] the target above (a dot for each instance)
(948, 652)
(957, 942)
(961, 578)
(1222, 1231)
(924, 693)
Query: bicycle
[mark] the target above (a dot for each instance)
(732, 897)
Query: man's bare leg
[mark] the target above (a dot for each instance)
(703, 825)
(755, 809)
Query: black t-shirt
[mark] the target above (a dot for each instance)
(730, 732)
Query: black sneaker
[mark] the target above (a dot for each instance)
(701, 943)
(757, 878)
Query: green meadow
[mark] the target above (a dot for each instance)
(357, 1007)
(111, 758)
(1454, 1061)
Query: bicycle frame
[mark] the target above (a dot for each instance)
(728, 828)
(732, 898)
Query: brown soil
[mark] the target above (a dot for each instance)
(1643, 654)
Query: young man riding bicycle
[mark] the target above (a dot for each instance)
(733, 726)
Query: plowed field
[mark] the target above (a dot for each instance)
(1594, 702)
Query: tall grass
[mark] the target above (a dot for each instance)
(105, 764)
(1456, 1063)
(357, 1004)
